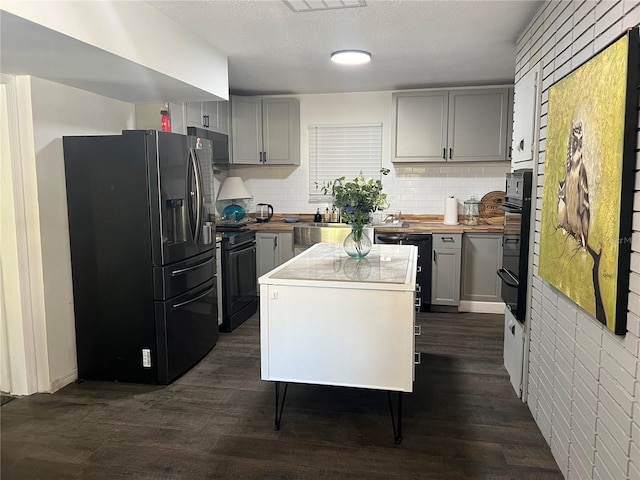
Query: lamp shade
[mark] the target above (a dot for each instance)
(233, 188)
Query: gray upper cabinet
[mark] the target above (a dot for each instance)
(464, 125)
(420, 126)
(265, 130)
(212, 116)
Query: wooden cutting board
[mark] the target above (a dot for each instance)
(489, 207)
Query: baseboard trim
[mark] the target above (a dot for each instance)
(481, 307)
(70, 377)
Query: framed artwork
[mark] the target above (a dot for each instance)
(587, 201)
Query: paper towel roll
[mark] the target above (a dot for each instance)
(451, 211)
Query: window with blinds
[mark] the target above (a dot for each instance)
(343, 150)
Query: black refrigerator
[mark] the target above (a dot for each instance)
(142, 256)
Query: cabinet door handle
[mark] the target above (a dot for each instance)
(444, 153)
(205, 121)
(419, 269)
(418, 288)
(417, 358)
(435, 257)
(264, 157)
(275, 242)
(450, 153)
(418, 303)
(417, 330)
(260, 157)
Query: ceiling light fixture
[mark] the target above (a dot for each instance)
(314, 6)
(351, 57)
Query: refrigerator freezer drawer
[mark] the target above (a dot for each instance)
(180, 277)
(186, 330)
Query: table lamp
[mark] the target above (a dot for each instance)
(233, 188)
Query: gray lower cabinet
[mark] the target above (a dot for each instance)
(273, 249)
(481, 259)
(445, 269)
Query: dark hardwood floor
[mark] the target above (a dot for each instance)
(463, 421)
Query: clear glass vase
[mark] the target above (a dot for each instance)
(357, 244)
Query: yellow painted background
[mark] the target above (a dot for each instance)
(596, 95)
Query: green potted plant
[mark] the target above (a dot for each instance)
(357, 199)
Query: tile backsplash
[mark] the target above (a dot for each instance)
(411, 188)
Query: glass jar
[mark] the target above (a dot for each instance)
(471, 212)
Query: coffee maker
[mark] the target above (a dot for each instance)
(264, 212)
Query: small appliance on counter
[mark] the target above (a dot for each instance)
(264, 212)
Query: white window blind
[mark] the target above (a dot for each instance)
(343, 150)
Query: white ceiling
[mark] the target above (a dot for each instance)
(273, 50)
(414, 43)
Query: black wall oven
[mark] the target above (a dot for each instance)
(515, 246)
(238, 279)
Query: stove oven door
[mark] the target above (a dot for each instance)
(509, 273)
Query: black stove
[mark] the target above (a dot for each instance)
(237, 275)
(231, 226)
(236, 236)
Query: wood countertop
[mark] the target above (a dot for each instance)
(417, 224)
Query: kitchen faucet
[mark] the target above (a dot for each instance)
(395, 217)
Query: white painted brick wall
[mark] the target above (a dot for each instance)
(584, 382)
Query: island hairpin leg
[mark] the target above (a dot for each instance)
(397, 433)
(279, 404)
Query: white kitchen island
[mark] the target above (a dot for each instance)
(329, 319)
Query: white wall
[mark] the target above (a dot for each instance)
(47, 112)
(135, 31)
(415, 188)
(584, 388)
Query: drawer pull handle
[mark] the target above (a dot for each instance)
(417, 358)
(417, 330)
(189, 269)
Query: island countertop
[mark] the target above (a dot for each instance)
(385, 267)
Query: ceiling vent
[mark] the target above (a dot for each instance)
(315, 5)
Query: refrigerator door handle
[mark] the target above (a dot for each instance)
(196, 176)
(204, 294)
